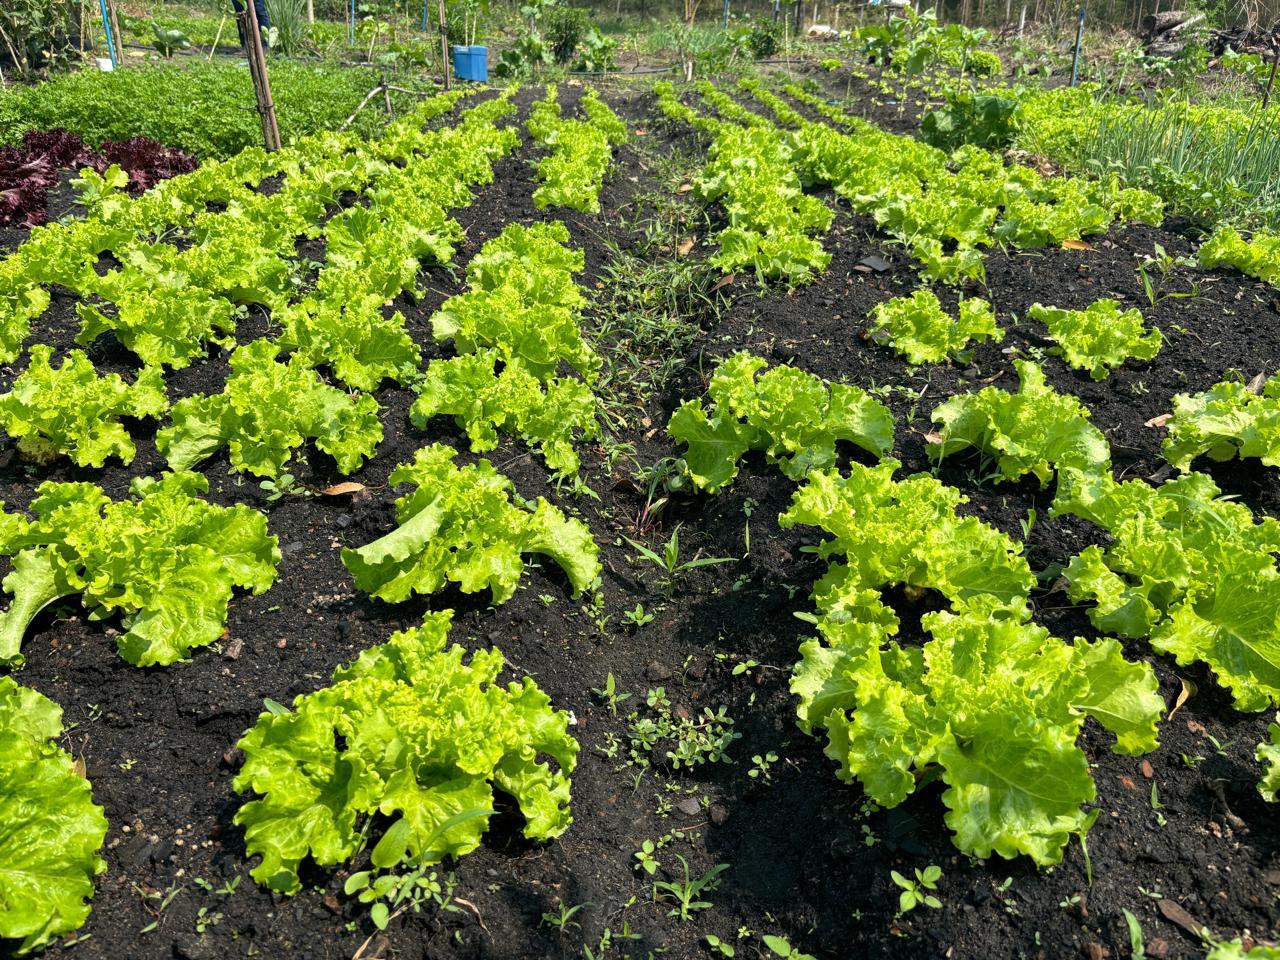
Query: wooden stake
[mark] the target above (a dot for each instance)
(216, 37)
(258, 72)
(444, 46)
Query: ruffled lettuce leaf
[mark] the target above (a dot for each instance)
(413, 731)
(794, 417)
(1036, 430)
(918, 328)
(50, 829)
(460, 524)
(266, 412)
(1226, 421)
(1193, 572)
(1100, 337)
(72, 411)
(165, 559)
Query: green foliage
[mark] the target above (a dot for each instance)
(1100, 337)
(1036, 430)
(580, 152)
(72, 411)
(904, 533)
(415, 732)
(165, 559)
(460, 524)
(984, 120)
(794, 417)
(919, 329)
(268, 410)
(37, 36)
(752, 175)
(765, 38)
(1268, 754)
(1193, 572)
(564, 29)
(1226, 421)
(157, 101)
(290, 32)
(989, 691)
(513, 327)
(50, 828)
(1257, 257)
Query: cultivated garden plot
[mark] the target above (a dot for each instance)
(637, 521)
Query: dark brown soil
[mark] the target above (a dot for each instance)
(806, 858)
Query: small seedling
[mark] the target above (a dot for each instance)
(720, 948)
(645, 858)
(916, 892)
(762, 765)
(562, 920)
(686, 893)
(610, 695)
(637, 617)
(781, 947)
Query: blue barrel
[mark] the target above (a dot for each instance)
(471, 63)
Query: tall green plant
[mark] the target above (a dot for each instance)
(290, 30)
(36, 35)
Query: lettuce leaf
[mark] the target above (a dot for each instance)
(1194, 573)
(991, 701)
(1226, 421)
(1036, 430)
(794, 417)
(459, 524)
(165, 559)
(415, 732)
(73, 411)
(266, 412)
(1268, 754)
(50, 828)
(918, 328)
(1100, 337)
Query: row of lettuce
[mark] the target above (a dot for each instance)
(169, 562)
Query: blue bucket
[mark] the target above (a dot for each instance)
(471, 63)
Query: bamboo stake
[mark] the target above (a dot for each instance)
(444, 47)
(258, 72)
(216, 37)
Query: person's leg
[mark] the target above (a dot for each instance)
(264, 16)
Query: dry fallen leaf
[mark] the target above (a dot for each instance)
(1257, 383)
(342, 489)
(639, 133)
(1159, 421)
(1175, 914)
(684, 248)
(1075, 245)
(684, 188)
(724, 281)
(1186, 693)
(933, 436)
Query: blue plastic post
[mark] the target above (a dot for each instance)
(726, 15)
(111, 40)
(351, 26)
(424, 15)
(1075, 61)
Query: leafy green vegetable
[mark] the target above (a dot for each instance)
(991, 700)
(1225, 421)
(795, 417)
(1268, 754)
(1100, 337)
(411, 731)
(1193, 572)
(461, 525)
(166, 560)
(1258, 257)
(266, 412)
(486, 397)
(903, 532)
(75, 412)
(1036, 430)
(50, 829)
(919, 329)
(580, 151)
